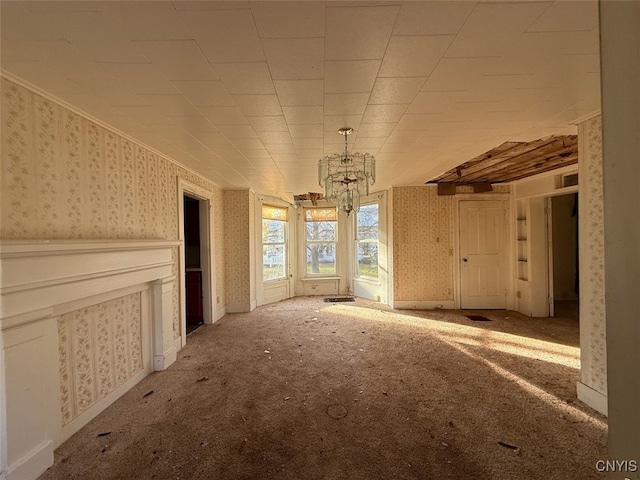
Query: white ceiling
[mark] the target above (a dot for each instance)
(251, 94)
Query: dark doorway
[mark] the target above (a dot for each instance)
(193, 266)
(564, 209)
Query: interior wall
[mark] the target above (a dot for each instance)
(592, 388)
(422, 247)
(564, 238)
(239, 241)
(66, 177)
(620, 73)
(100, 348)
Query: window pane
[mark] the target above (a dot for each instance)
(368, 259)
(368, 222)
(321, 231)
(321, 258)
(272, 262)
(272, 231)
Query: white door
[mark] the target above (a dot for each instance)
(484, 247)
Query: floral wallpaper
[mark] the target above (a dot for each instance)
(238, 235)
(592, 299)
(100, 348)
(422, 244)
(65, 177)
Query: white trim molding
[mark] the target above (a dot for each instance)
(66, 302)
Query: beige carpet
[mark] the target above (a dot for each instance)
(304, 389)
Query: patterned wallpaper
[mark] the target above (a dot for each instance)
(237, 235)
(422, 244)
(65, 177)
(100, 348)
(592, 300)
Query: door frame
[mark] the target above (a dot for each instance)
(455, 257)
(207, 261)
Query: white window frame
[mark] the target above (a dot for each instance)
(284, 243)
(334, 242)
(358, 241)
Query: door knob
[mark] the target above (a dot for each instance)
(465, 259)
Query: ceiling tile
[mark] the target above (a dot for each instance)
(146, 115)
(111, 91)
(177, 59)
(395, 90)
(308, 143)
(345, 103)
(243, 144)
(368, 143)
(194, 124)
(383, 113)
(142, 78)
(268, 123)
(207, 6)
(213, 138)
(224, 115)
(205, 93)
(171, 104)
(225, 35)
(493, 27)
(350, 76)
(453, 74)
(113, 52)
(258, 105)
(295, 59)
(567, 16)
(417, 121)
(404, 136)
(302, 115)
(146, 20)
(271, 137)
(246, 78)
(289, 19)
(280, 148)
(332, 123)
(375, 129)
(237, 131)
(432, 102)
(91, 104)
(306, 131)
(432, 18)
(529, 69)
(300, 92)
(413, 56)
(358, 33)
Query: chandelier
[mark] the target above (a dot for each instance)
(347, 176)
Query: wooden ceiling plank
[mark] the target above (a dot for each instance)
(452, 175)
(544, 150)
(548, 166)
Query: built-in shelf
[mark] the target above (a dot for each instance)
(522, 239)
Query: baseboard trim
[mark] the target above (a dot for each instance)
(93, 411)
(423, 304)
(239, 307)
(593, 398)
(220, 312)
(34, 464)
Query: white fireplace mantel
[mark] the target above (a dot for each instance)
(40, 281)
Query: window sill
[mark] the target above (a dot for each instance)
(319, 277)
(275, 280)
(370, 281)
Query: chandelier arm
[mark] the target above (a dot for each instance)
(345, 187)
